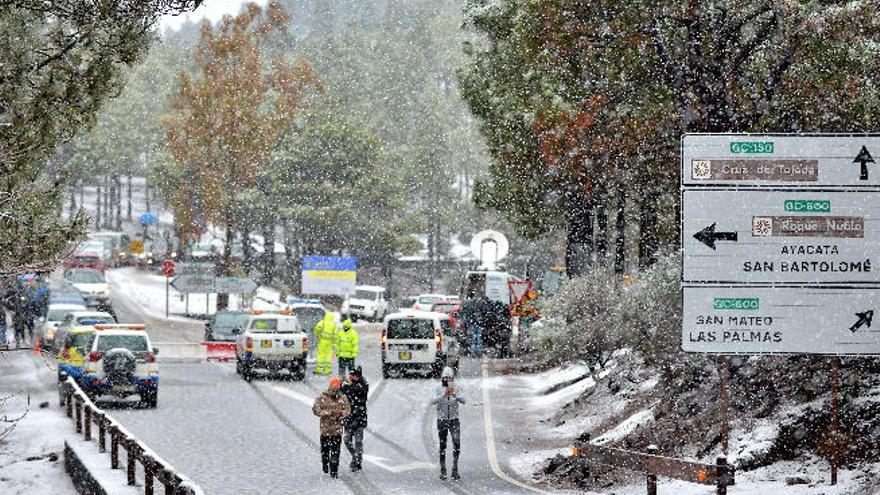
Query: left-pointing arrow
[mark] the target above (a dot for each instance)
(708, 236)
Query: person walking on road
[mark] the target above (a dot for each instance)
(325, 332)
(346, 347)
(332, 408)
(356, 389)
(447, 399)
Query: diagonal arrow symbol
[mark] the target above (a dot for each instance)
(708, 236)
(864, 158)
(864, 319)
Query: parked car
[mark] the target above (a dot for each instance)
(122, 362)
(452, 308)
(93, 286)
(309, 312)
(54, 316)
(86, 259)
(220, 326)
(424, 302)
(271, 342)
(368, 302)
(418, 341)
(78, 320)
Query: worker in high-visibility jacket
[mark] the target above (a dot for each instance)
(346, 347)
(325, 332)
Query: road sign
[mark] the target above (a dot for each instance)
(780, 236)
(328, 275)
(168, 268)
(234, 285)
(136, 246)
(193, 267)
(780, 320)
(193, 283)
(779, 160)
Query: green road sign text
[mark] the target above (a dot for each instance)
(810, 205)
(741, 303)
(751, 147)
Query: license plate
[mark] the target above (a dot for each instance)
(289, 343)
(266, 343)
(404, 356)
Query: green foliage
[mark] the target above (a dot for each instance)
(61, 61)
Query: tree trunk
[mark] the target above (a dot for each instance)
(601, 228)
(72, 199)
(620, 223)
(431, 256)
(648, 240)
(147, 195)
(98, 207)
(268, 265)
(226, 264)
(118, 198)
(579, 242)
(82, 194)
(246, 252)
(129, 198)
(287, 272)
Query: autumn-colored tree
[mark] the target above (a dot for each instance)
(227, 119)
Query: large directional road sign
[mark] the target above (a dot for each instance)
(234, 285)
(193, 283)
(778, 236)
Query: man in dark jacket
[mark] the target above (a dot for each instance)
(356, 390)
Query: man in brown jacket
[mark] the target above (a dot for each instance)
(332, 407)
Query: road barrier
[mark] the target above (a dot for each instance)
(220, 351)
(719, 474)
(84, 414)
(181, 351)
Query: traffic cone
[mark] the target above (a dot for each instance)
(37, 349)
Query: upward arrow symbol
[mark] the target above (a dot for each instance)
(863, 158)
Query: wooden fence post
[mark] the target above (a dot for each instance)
(130, 457)
(88, 422)
(114, 447)
(723, 475)
(652, 477)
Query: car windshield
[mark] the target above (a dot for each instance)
(428, 299)
(57, 314)
(94, 320)
(268, 324)
(230, 320)
(134, 343)
(85, 277)
(410, 329)
(443, 308)
(368, 295)
(86, 259)
(309, 317)
(81, 341)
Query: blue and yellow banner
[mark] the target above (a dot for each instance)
(329, 275)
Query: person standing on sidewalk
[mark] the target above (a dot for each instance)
(346, 347)
(357, 390)
(447, 399)
(331, 407)
(325, 332)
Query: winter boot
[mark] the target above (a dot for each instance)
(455, 475)
(442, 465)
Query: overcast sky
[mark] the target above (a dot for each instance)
(213, 10)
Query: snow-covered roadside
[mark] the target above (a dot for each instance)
(31, 454)
(147, 291)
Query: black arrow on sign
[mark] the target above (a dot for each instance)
(864, 158)
(864, 319)
(708, 236)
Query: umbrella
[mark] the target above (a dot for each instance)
(148, 219)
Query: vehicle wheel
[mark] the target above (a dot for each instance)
(150, 399)
(386, 371)
(247, 373)
(438, 369)
(298, 371)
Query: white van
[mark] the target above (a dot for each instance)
(368, 302)
(418, 340)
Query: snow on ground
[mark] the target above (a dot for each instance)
(628, 426)
(147, 290)
(31, 454)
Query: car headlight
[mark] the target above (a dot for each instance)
(50, 332)
(107, 292)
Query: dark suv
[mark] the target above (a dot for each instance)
(220, 326)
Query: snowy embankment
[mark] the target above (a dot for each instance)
(148, 291)
(620, 406)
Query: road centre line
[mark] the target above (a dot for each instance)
(490, 435)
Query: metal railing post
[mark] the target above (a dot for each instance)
(78, 407)
(651, 476)
(149, 472)
(114, 447)
(88, 422)
(723, 473)
(130, 457)
(102, 431)
(68, 402)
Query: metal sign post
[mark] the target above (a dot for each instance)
(167, 294)
(779, 236)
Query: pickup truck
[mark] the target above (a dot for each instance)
(272, 342)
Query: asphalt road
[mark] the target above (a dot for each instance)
(261, 437)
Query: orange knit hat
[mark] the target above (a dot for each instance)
(335, 383)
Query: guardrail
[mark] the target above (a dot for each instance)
(721, 474)
(84, 414)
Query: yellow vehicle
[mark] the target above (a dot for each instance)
(74, 349)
